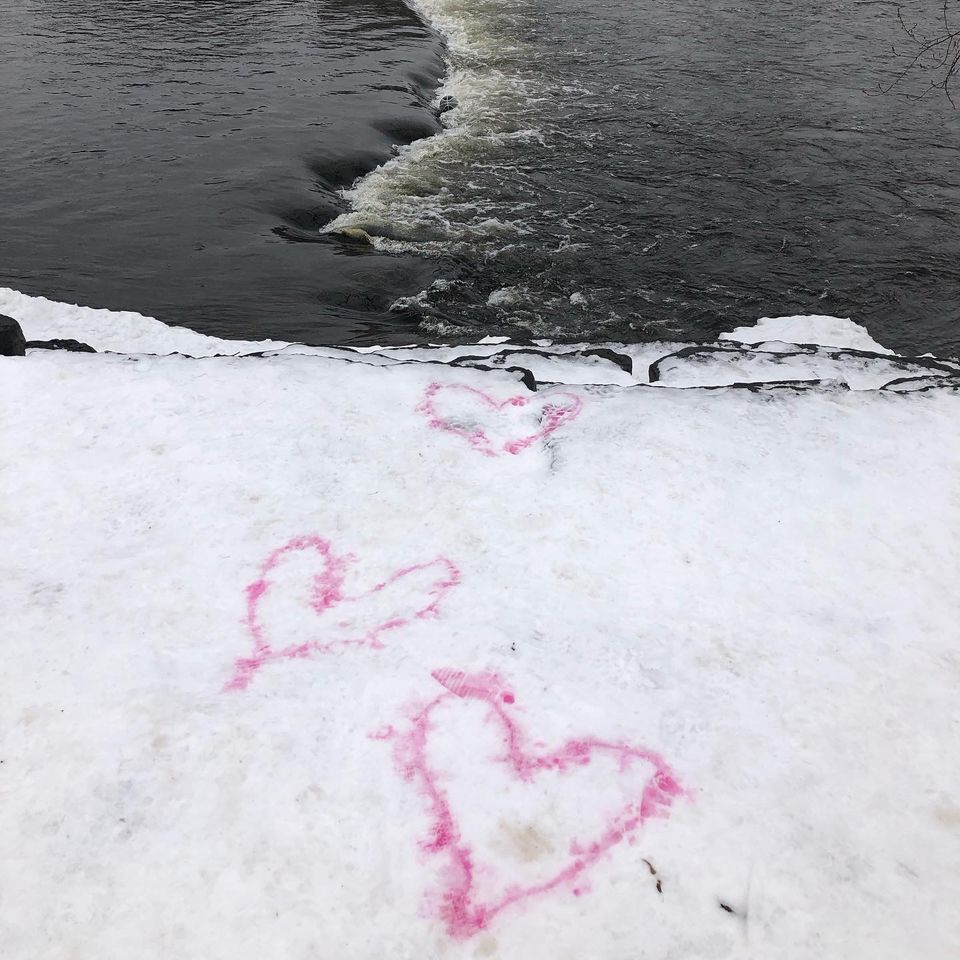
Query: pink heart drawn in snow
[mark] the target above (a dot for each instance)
(411, 593)
(458, 903)
(463, 403)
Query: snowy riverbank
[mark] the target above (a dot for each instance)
(383, 655)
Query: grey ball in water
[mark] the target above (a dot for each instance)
(12, 341)
(446, 103)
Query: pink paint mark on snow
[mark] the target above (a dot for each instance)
(554, 410)
(459, 908)
(327, 593)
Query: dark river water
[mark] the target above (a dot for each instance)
(616, 169)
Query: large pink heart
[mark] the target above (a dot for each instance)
(459, 903)
(346, 620)
(496, 426)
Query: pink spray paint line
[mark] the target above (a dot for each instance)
(327, 593)
(555, 410)
(458, 905)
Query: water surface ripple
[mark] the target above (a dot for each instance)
(163, 155)
(631, 169)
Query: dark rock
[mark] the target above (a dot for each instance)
(922, 384)
(771, 386)
(12, 341)
(512, 352)
(524, 375)
(74, 346)
(624, 362)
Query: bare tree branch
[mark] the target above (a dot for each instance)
(933, 52)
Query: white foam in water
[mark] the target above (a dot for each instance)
(414, 662)
(405, 204)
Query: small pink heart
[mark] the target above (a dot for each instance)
(411, 593)
(496, 426)
(614, 786)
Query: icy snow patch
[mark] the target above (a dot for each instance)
(812, 328)
(760, 590)
(723, 365)
(121, 331)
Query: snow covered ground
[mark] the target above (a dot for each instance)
(369, 656)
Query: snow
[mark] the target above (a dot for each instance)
(399, 659)
(825, 331)
(123, 331)
(722, 365)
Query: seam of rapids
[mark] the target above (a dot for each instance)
(342, 225)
